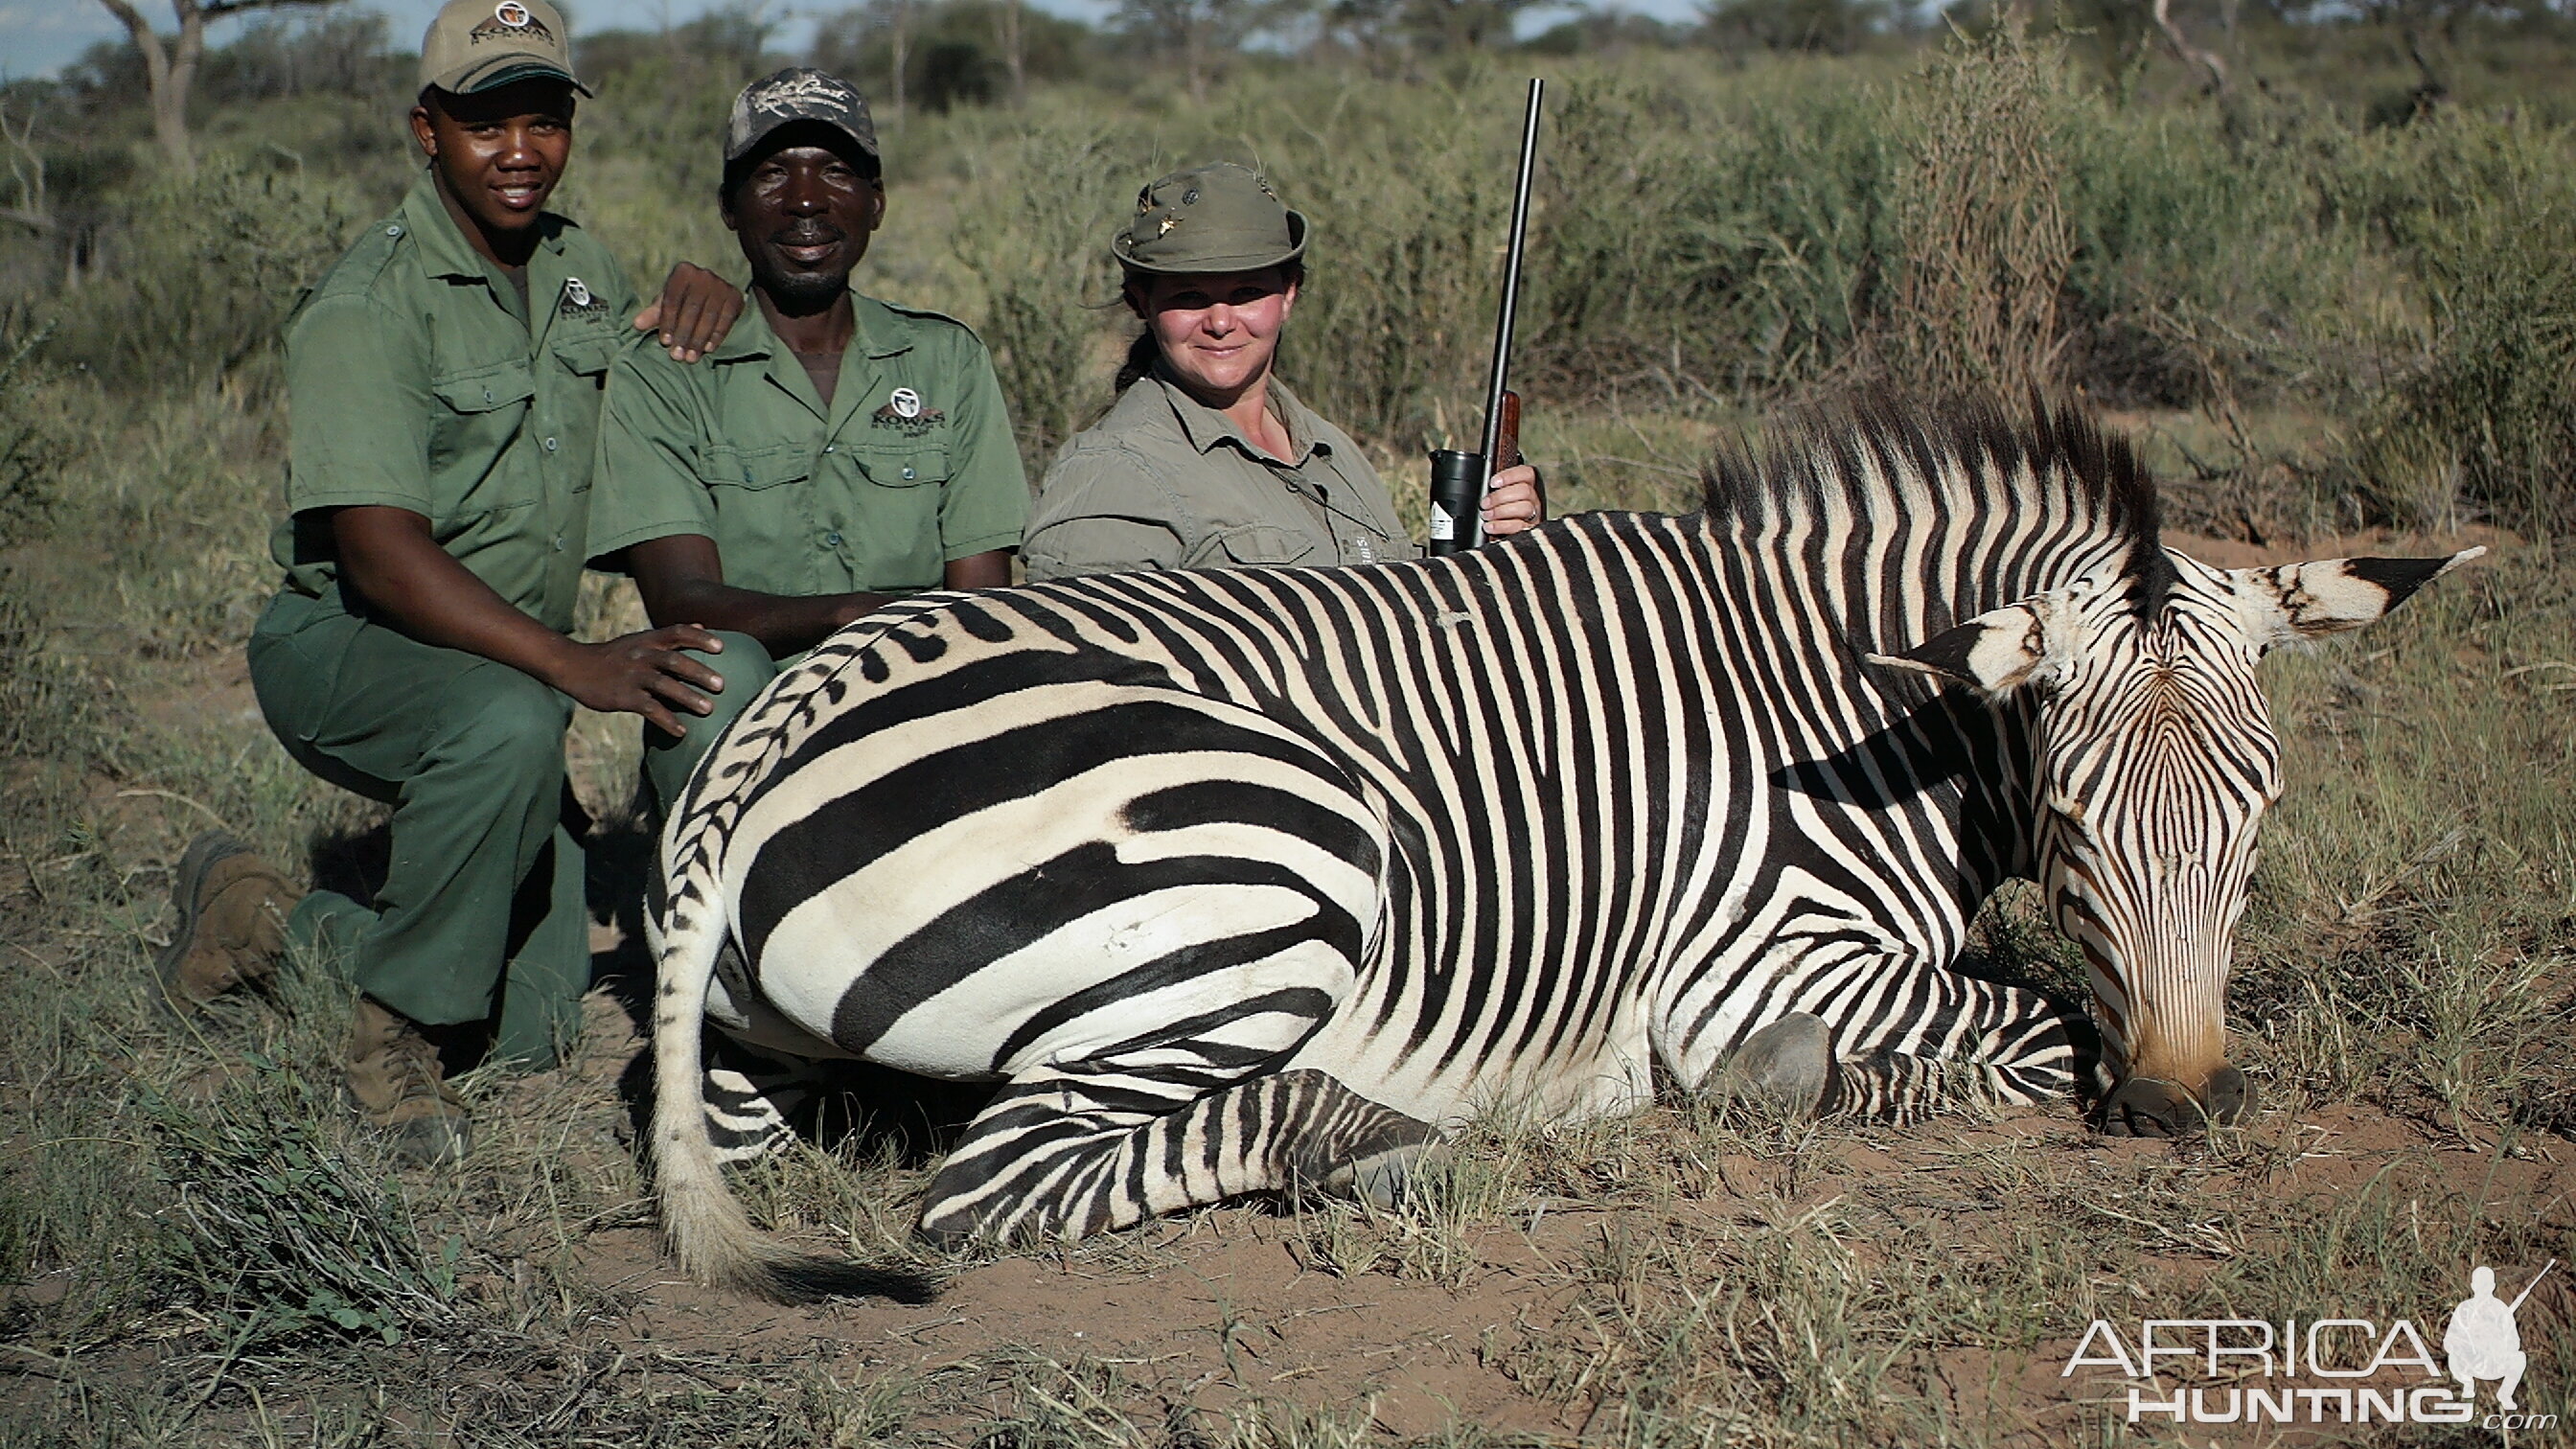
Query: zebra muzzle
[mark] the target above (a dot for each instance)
(2153, 1107)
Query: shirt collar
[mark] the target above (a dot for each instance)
(444, 251)
(1206, 428)
(752, 336)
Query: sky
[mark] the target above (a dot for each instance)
(40, 37)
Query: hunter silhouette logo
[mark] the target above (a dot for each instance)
(2482, 1341)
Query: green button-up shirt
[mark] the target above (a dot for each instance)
(419, 380)
(1165, 481)
(911, 466)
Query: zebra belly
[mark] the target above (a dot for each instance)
(1606, 1070)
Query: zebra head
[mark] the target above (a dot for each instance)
(2153, 762)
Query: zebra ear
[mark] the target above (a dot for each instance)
(1998, 651)
(2290, 602)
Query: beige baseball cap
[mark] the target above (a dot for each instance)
(475, 45)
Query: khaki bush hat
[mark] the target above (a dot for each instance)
(798, 93)
(475, 45)
(1214, 218)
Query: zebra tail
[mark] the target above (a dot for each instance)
(713, 1238)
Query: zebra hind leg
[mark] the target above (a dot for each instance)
(756, 1100)
(1065, 1153)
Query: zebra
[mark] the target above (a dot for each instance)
(1268, 880)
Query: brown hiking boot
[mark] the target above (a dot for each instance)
(395, 1079)
(232, 922)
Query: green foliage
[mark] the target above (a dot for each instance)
(2484, 215)
(279, 1234)
(206, 270)
(1825, 27)
(1028, 228)
(1983, 245)
(33, 451)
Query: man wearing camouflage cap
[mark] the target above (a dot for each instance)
(1207, 460)
(445, 379)
(836, 452)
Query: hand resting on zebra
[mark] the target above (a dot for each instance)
(1264, 880)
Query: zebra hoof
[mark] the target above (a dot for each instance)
(2151, 1107)
(2230, 1097)
(1380, 1179)
(1786, 1067)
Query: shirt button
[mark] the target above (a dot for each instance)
(559, 543)
(909, 475)
(828, 447)
(550, 445)
(831, 540)
(393, 231)
(487, 394)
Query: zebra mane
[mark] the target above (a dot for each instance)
(1904, 466)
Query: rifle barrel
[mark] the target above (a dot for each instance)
(1498, 379)
(2534, 1283)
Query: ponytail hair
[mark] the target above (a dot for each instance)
(1142, 354)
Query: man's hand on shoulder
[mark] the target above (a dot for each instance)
(696, 310)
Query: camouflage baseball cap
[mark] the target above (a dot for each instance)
(798, 93)
(476, 45)
(1214, 218)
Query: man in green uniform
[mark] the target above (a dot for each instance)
(834, 452)
(1207, 460)
(445, 379)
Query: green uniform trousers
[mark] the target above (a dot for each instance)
(746, 668)
(483, 898)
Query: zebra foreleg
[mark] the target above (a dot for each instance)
(2008, 1047)
(1067, 1156)
(1982, 1042)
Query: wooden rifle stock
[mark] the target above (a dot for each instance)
(1507, 438)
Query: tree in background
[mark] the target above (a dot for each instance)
(1200, 34)
(907, 53)
(1826, 27)
(170, 68)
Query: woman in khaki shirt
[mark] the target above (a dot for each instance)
(1207, 460)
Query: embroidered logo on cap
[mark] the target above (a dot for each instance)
(510, 18)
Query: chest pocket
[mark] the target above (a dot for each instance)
(926, 467)
(763, 518)
(1258, 543)
(587, 355)
(482, 410)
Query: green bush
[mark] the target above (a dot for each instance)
(279, 1234)
(2482, 419)
(205, 270)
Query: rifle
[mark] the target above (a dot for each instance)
(2527, 1287)
(1459, 480)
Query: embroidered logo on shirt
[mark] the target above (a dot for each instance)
(905, 413)
(578, 300)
